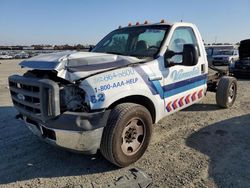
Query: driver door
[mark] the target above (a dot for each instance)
(185, 84)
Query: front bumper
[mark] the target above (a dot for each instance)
(79, 132)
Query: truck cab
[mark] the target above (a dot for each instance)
(109, 98)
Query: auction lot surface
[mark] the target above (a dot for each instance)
(202, 146)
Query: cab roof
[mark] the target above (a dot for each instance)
(162, 22)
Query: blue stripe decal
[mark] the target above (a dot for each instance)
(171, 89)
(151, 86)
(159, 89)
(183, 88)
(184, 82)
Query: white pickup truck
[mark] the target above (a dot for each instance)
(109, 98)
(225, 57)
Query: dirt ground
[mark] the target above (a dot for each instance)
(202, 146)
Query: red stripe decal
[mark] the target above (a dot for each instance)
(174, 105)
(169, 109)
(200, 94)
(194, 96)
(181, 102)
(187, 100)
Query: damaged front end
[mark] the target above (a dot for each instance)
(54, 106)
(56, 110)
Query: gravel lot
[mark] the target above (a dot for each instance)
(202, 146)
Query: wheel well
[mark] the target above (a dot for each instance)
(138, 99)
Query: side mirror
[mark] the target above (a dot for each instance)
(168, 55)
(190, 55)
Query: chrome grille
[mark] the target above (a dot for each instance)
(35, 98)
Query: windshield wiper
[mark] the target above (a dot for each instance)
(140, 56)
(116, 53)
(132, 55)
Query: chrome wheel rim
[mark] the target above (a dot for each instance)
(133, 136)
(231, 93)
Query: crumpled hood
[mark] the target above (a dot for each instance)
(72, 65)
(45, 61)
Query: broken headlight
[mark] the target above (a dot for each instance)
(72, 98)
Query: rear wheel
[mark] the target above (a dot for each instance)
(127, 134)
(226, 92)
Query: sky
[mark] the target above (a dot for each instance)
(26, 22)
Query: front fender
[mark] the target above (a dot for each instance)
(103, 100)
(125, 93)
(102, 90)
(156, 101)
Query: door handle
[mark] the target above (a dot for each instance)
(202, 68)
(154, 78)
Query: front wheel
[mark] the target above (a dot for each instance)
(127, 134)
(226, 92)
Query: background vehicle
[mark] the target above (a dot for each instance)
(242, 67)
(222, 54)
(225, 57)
(6, 57)
(109, 98)
(22, 55)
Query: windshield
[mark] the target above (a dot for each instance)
(139, 41)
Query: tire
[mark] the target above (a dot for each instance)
(127, 134)
(226, 92)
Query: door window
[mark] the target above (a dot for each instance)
(181, 36)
